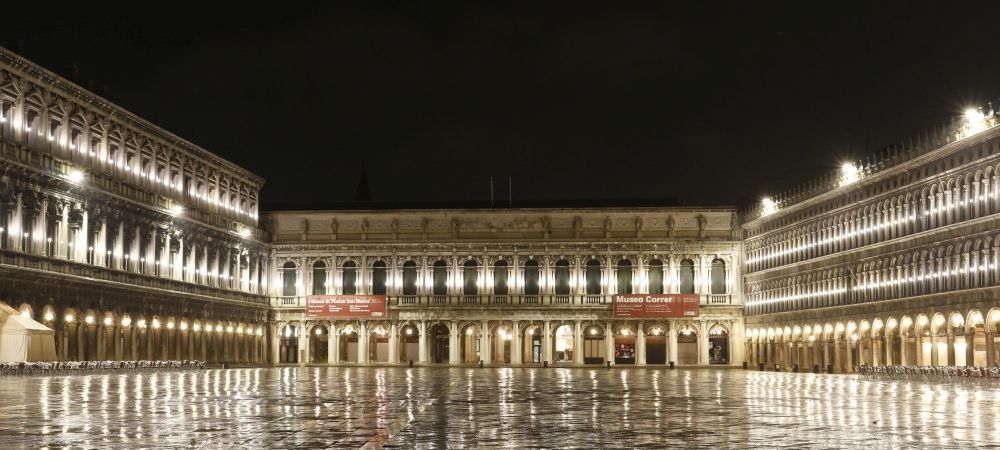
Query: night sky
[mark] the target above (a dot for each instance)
(713, 105)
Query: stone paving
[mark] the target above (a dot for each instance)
(348, 407)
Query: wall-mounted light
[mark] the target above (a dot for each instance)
(75, 176)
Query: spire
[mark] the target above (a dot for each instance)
(362, 193)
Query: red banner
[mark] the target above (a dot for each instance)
(655, 305)
(346, 306)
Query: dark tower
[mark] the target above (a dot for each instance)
(363, 193)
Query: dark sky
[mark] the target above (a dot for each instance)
(712, 104)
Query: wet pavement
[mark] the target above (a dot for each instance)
(484, 408)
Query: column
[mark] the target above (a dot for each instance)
(887, 349)
(303, 343)
(453, 343)
(951, 348)
(672, 343)
(335, 338)
(578, 343)
(837, 354)
(117, 333)
(934, 351)
(918, 359)
(515, 345)
(486, 344)
(702, 343)
(422, 342)
(640, 344)
(393, 344)
(275, 345)
(970, 350)
(363, 343)
(547, 341)
(990, 358)
(609, 343)
(904, 352)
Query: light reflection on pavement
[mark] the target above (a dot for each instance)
(351, 407)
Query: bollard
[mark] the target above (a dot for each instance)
(829, 368)
(480, 364)
(411, 363)
(609, 364)
(225, 365)
(815, 368)
(777, 367)
(545, 364)
(671, 364)
(744, 365)
(760, 367)
(795, 368)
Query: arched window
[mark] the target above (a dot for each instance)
(319, 278)
(470, 275)
(624, 277)
(440, 273)
(531, 277)
(379, 276)
(349, 285)
(718, 276)
(593, 277)
(288, 278)
(687, 277)
(500, 278)
(656, 277)
(562, 277)
(410, 278)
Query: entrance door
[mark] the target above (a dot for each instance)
(624, 350)
(536, 349)
(718, 351)
(441, 349)
(656, 350)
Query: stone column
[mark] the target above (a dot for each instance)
(547, 341)
(887, 349)
(304, 350)
(702, 343)
(363, 343)
(334, 356)
(578, 343)
(275, 345)
(640, 345)
(393, 344)
(609, 343)
(838, 356)
(970, 350)
(904, 351)
(422, 342)
(918, 359)
(672, 343)
(453, 343)
(990, 358)
(934, 350)
(515, 345)
(485, 345)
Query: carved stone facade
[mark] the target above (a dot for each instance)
(128, 241)
(514, 286)
(893, 260)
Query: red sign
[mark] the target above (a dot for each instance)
(655, 305)
(346, 306)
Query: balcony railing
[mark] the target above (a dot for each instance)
(78, 269)
(408, 301)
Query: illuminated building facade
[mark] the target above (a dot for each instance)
(509, 286)
(892, 260)
(128, 241)
(132, 243)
